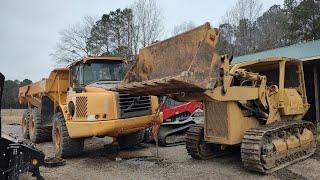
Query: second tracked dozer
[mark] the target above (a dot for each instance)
(258, 105)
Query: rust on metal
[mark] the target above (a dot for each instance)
(187, 61)
(255, 149)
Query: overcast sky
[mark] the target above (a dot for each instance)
(30, 28)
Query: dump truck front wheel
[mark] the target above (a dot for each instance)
(37, 131)
(64, 145)
(130, 140)
(25, 123)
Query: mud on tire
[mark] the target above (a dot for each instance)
(25, 123)
(130, 140)
(37, 131)
(64, 146)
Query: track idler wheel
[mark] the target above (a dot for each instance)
(197, 148)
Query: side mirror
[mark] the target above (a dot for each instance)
(77, 89)
(76, 86)
(75, 82)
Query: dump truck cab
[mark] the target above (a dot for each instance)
(91, 105)
(92, 70)
(75, 102)
(89, 80)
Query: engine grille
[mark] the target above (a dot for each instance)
(216, 119)
(81, 107)
(131, 106)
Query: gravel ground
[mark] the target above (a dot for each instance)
(172, 163)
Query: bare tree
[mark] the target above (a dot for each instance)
(183, 27)
(120, 32)
(147, 21)
(241, 18)
(271, 29)
(244, 9)
(73, 42)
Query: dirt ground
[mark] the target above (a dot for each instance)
(172, 163)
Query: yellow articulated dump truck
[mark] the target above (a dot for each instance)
(256, 105)
(75, 103)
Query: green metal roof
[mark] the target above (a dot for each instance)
(297, 51)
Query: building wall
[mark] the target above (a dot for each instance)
(310, 88)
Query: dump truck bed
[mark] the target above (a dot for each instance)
(187, 61)
(55, 87)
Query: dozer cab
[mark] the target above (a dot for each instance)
(257, 105)
(75, 103)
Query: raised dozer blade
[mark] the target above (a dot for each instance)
(183, 63)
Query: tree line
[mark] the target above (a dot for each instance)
(10, 94)
(245, 31)
(117, 33)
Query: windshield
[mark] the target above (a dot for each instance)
(95, 71)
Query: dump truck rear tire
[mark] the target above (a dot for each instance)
(25, 123)
(65, 146)
(131, 140)
(37, 131)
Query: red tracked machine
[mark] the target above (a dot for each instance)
(177, 118)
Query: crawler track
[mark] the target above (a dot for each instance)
(197, 148)
(255, 159)
(172, 136)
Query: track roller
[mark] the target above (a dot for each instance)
(271, 147)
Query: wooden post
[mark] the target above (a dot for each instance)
(316, 94)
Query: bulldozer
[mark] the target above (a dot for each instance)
(75, 103)
(256, 105)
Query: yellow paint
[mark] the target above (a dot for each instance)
(293, 142)
(57, 80)
(234, 94)
(280, 145)
(237, 125)
(112, 128)
(97, 113)
(282, 103)
(306, 137)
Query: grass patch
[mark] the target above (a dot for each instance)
(11, 116)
